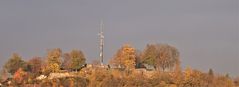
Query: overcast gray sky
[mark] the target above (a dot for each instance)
(206, 32)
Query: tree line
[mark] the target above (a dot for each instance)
(123, 71)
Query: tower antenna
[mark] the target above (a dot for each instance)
(101, 37)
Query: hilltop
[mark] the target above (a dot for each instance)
(158, 65)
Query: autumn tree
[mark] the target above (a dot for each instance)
(149, 55)
(14, 63)
(224, 81)
(66, 64)
(168, 56)
(53, 61)
(35, 65)
(162, 56)
(193, 78)
(78, 59)
(19, 76)
(125, 57)
(54, 55)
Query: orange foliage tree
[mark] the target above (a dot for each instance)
(19, 76)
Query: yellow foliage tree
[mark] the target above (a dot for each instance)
(77, 59)
(54, 55)
(192, 78)
(224, 81)
(53, 61)
(125, 57)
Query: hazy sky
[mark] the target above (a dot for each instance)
(206, 32)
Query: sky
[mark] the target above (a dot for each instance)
(206, 32)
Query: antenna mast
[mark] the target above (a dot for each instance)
(101, 37)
